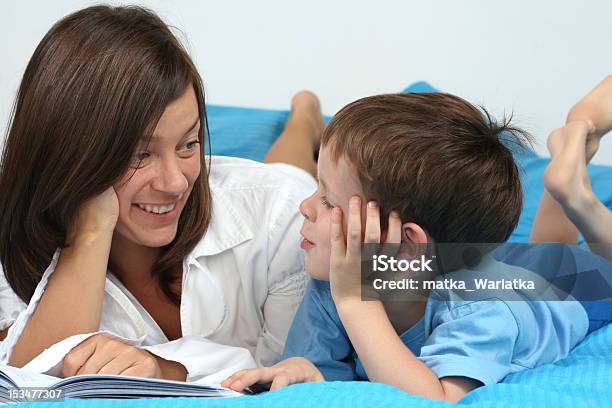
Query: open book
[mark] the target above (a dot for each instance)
(17, 385)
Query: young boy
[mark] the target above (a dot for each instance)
(420, 169)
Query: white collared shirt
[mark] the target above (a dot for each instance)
(241, 284)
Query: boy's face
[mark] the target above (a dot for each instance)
(337, 184)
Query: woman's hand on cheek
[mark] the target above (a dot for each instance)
(102, 355)
(345, 263)
(97, 215)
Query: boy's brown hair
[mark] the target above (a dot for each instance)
(438, 160)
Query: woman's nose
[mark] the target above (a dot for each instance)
(307, 209)
(170, 178)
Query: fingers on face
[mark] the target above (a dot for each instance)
(394, 230)
(336, 234)
(372, 230)
(354, 226)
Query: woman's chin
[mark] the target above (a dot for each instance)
(157, 241)
(151, 238)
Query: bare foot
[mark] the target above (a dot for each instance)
(576, 133)
(306, 108)
(595, 107)
(566, 178)
(299, 142)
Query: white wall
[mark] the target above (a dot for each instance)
(534, 57)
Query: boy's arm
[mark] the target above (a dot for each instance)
(384, 356)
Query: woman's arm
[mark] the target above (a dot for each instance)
(3, 333)
(72, 300)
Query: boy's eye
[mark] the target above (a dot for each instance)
(326, 203)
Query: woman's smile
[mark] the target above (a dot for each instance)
(167, 213)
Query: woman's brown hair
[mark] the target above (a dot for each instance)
(97, 83)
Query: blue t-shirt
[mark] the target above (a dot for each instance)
(484, 339)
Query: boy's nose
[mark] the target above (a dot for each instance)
(307, 210)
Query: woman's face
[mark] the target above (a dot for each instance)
(154, 195)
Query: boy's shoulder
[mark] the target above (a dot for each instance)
(536, 331)
(320, 292)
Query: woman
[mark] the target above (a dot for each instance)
(114, 222)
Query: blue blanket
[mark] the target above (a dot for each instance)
(584, 378)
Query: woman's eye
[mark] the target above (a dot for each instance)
(189, 146)
(139, 159)
(326, 203)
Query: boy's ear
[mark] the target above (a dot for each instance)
(414, 239)
(412, 232)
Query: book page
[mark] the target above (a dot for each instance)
(26, 378)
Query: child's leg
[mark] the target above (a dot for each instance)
(572, 147)
(299, 142)
(551, 223)
(569, 203)
(566, 178)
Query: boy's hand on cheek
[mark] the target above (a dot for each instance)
(345, 262)
(291, 371)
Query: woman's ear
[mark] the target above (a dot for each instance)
(414, 239)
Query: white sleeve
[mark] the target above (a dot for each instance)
(287, 277)
(10, 304)
(205, 361)
(24, 314)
